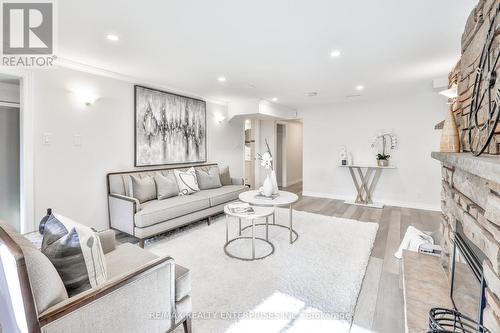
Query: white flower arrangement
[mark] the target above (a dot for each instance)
(266, 159)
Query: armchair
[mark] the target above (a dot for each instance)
(144, 293)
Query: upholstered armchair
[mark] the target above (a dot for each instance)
(144, 293)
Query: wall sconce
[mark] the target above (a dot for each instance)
(86, 97)
(219, 118)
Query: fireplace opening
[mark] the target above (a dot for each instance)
(467, 280)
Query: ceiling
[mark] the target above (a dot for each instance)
(266, 49)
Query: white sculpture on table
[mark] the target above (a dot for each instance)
(270, 185)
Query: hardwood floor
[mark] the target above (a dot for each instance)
(380, 303)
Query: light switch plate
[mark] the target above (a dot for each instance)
(77, 140)
(47, 139)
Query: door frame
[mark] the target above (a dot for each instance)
(284, 146)
(26, 154)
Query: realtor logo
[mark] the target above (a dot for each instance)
(27, 28)
(27, 34)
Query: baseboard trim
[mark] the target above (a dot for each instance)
(395, 203)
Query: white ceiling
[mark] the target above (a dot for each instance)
(268, 48)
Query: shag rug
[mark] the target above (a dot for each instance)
(309, 286)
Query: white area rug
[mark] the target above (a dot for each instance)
(309, 286)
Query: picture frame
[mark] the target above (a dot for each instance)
(169, 128)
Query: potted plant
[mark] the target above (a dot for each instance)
(384, 142)
(383, 160)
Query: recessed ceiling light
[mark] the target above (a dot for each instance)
(112, 37)
(360, 87)
(274, 99)
(335, 53)
(221, 79)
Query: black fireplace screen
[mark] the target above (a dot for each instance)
(467, 282)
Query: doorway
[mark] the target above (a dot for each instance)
(10, 194)
(280, 160)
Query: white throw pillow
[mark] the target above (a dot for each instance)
(187, 182)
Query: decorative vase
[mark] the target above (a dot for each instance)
(383, 163)
(450, 141)
(274, 182)
(267, 187)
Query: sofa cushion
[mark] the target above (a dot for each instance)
(222, 194)
(208, 177)
(46, 284)
(182, 282)
(225, 176)
(143, 189)
(126, 258)
(166, 186)
(157, 211)
(75, 251)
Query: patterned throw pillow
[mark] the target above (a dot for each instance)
(76, 252)
(187, 182)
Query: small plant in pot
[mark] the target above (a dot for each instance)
(383, 159)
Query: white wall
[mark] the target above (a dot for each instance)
(72, 179)
(9, 92)
(415, 182)
(294, 152)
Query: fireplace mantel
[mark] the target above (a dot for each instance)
(487, 166)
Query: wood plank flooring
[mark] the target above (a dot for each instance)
(380, 303)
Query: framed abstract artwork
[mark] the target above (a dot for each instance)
(169, 128)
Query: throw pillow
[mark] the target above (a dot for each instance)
(143, 189)
(208, 178)
(76, 253)
(166, 186)
(225, 176)
(187, 182)
(46, 284)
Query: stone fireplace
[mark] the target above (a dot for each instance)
(471, 202)
(470, 197)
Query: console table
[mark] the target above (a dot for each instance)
(366, 184)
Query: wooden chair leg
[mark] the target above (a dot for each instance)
(187, 325)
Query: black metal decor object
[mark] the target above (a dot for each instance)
(482, 126)
(443, 320)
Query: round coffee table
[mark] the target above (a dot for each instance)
(284, 199)
(260, 212)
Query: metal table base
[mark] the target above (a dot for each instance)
(253, 238)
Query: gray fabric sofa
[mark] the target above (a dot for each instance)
(147, 219)
(143, 293)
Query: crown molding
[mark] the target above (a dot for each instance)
(81, 67)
